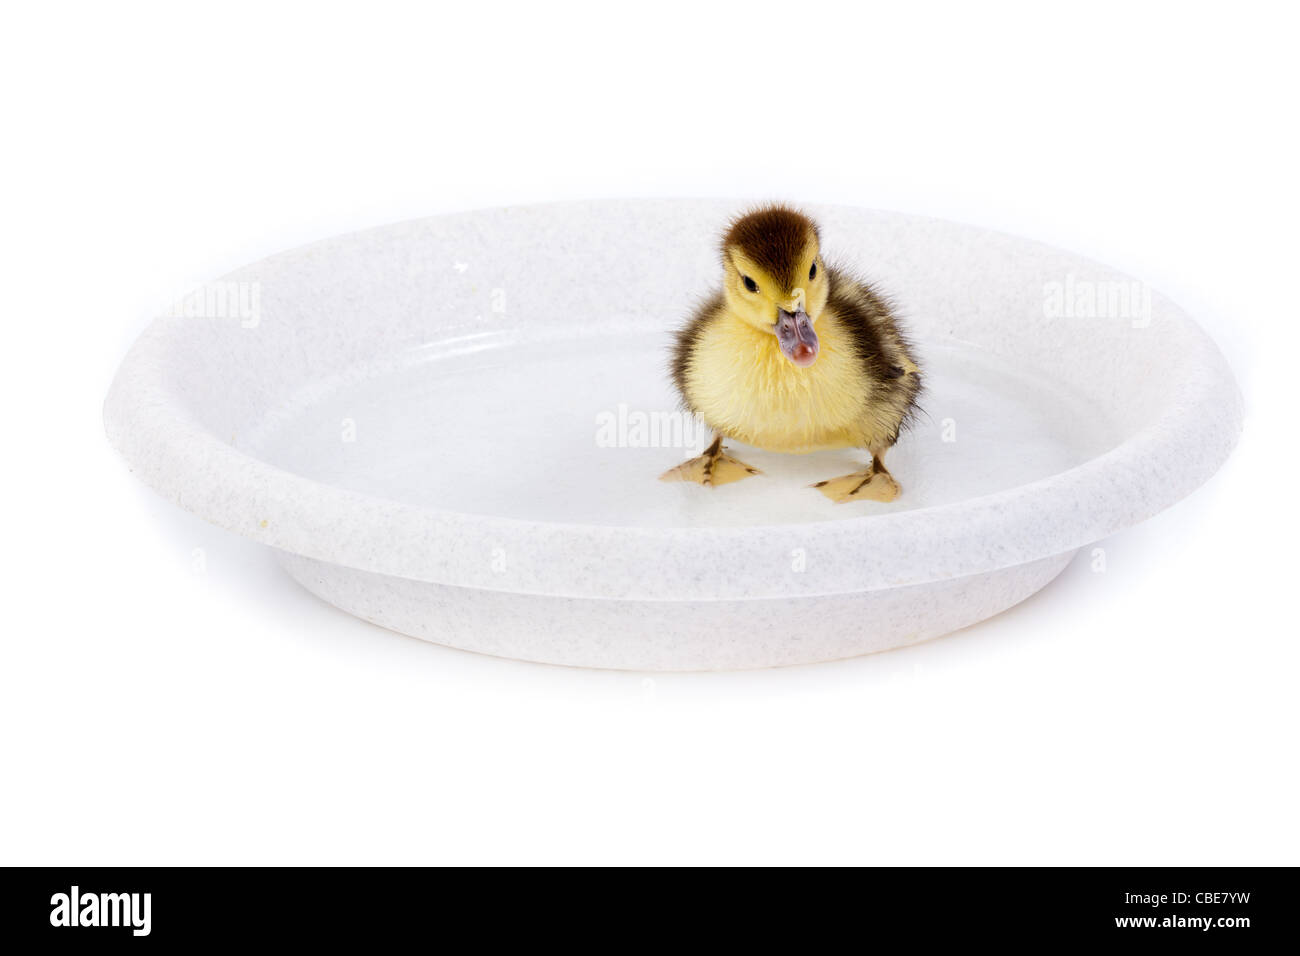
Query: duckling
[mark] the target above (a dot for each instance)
(793, 355)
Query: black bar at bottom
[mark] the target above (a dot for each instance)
(1221, 907)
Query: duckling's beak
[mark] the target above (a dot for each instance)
(794, 333)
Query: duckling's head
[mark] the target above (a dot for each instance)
(774, 278)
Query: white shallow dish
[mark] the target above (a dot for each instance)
(452, 428)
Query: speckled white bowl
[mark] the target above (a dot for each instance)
(452, 427)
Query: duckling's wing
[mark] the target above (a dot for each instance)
(687, 338)
(892, 374)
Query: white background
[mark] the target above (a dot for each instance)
(149, 714)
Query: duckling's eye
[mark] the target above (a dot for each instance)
(812, 273)
(750, 284)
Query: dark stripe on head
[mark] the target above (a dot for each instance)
(774, 237)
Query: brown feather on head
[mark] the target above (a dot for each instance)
(774, 237)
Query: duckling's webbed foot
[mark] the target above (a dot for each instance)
(714, 467)
(873, 483)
